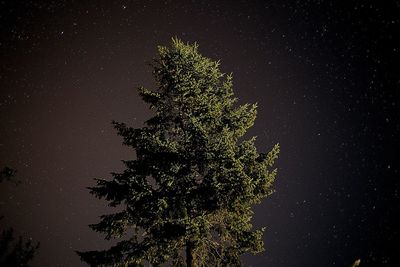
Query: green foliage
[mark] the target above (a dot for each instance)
(194, 180)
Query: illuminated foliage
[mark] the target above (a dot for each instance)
(189, 192)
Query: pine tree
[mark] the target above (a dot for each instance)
(14, 252)
(187, 196)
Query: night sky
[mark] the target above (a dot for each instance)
(323, 75)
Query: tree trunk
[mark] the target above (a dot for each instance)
(189, 254)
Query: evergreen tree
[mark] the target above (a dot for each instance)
(189, 192)
(14, 252)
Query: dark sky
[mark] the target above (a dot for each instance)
(323, 74)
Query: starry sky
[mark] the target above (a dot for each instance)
(322, 72)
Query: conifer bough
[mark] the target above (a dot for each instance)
(187, 196)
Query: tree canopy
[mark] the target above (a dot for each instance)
(188, 195)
